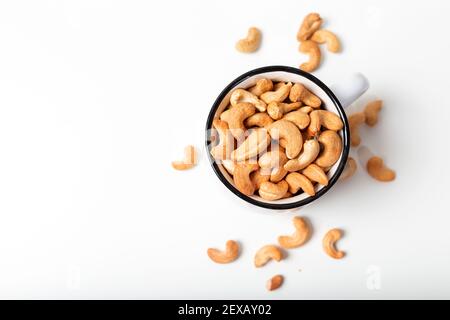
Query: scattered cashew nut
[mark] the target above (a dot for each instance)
(283, 129)
(297, 181)
(328, 37)
(225, 146)
(235, 117)
(300, 118)
(349, 169)
(332, 148)
(256, 142)
(242, 179)
(230, 254)
(371, 112)
(300, 93)
(275, 282)
(190, 159)
(315, 173)
(278, 95)
(241, 95)
(276, 110)
(311, 23)
(273, 191)
(377, 170)
(312, 49)
(267, 253)
(300, 236)
(329, 243)
(261, 86)
(324, 118)
(311, 149)
(251, 43)
(354, 121)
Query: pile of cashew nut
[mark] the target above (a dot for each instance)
(276, 140)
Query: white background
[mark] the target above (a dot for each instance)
(98, 97)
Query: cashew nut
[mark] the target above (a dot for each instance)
(241, 95)
(251, 42)
(312, 49)
(315, 173)
(275, 282)
(229, 165)
(311, 23)
(329, 243)
(235, 117)
(258, 177)
(190, 159)
(378, 171)
(274, 161)
(283, 129)
(267, 253)
(328, 37)
(354, 121)
(278, 85)
(276, 110)
(332, 148)
(300, 236)
(241, 177)
(300, 93)
(371, 112)
(256, 143)
(300, 118)
(226, 142)
(326, 119)
(306, 109)
(261, 86)
(311, 149)
(260, 119)
(277, 96)
(297, 181)
(273, 191)
(230, 254)
(349, 169)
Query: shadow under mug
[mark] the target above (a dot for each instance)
(335, 100)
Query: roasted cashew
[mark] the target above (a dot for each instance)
(300, 93)
(311, 23)
(229, 165)
(283, 129)
(329, 244)
(273, 161)
(273, 191)
(311, 149)
(235, 117)
(300, 118)
(256, 142)
(190, 159)
(328, 37)
(332, 148)
(258, 177)
(371, 112)
(278, 85)
(324, 118)
(354, 121)
(300, 236)
(260, 119)
(349, 169)
(241, 177)
(377, 170)
(250, 43)
(276, 110)
(230, 254)
(261, 86)
(241, 95)
(312, 49)
(306, 109)
(267, 253)
(315, 173)
(275, 282)
(297, 181)
(277, 96)
(225, 146)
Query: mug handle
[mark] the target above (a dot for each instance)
(351, 88)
